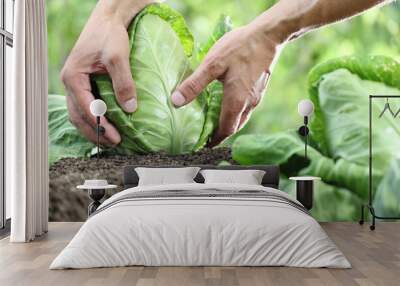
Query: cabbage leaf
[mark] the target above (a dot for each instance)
(339, 90)
(64, 139)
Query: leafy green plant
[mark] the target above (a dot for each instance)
(64, 139)
(162, 56)
(339, 90)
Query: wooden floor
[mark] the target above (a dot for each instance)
(375, 257)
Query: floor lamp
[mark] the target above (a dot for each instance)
(98, 108)
(96, 188)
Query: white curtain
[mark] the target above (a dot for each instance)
(26, 127)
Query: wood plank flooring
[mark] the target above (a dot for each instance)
(375, 257)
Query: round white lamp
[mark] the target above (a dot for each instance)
(98, 108)
(305, 109)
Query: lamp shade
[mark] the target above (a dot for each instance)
(305, 107)
(98, 107)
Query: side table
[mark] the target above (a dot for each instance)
(305, 189)
(96, 190)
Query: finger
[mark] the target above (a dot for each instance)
(191, 87)
(259, 88)
(233, 105)
(261, 83)
(245, 117)
(80, 96)
(85, 128)
(124, 87)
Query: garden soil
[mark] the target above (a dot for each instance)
(67, 203)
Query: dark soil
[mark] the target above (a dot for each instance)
(69, 204)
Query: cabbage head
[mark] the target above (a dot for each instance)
(161, 58)
(339, 139)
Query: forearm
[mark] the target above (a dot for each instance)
(120, 10)
(289, 19)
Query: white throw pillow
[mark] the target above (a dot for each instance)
(166, 176)
(248, 177)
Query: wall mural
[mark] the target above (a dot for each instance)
(336, 67)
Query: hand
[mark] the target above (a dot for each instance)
(102, 47)
(242, 61)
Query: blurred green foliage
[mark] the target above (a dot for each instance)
(375, 32)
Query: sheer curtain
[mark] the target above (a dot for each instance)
(26, 119)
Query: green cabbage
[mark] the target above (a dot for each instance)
(340, 89)
(161, 45)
